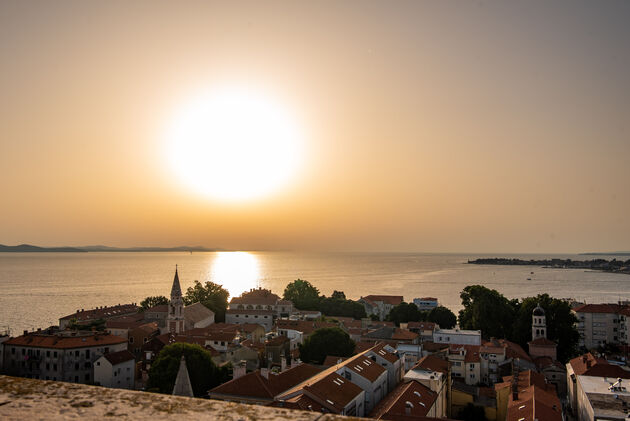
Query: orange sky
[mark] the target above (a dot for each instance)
(431, 126)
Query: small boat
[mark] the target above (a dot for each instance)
(529, 279)
(531, 273)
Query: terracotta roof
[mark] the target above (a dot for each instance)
(526, 379)
(162, 308)
(433, 346)
(197, 312)
(433, 363)
(278, 340)
(387, 299)
(381, 350)
(411, 395)
(362, 346)
(534, 403)
(255, 297)
(472, 354)
(599, 308)
(331, 360)
(589, 365)
(62, 341)
(542, 342)
(254, 385)
(300, 402)
(545, 362)
(333, 391)
(119, 357)
(514, 350)
(123, 324)
(304, 326)
(365, 367)
(103, 312)
(421, 325)
(392, 333)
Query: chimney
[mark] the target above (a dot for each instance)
(283, 362)
(239, 369)
(515, 388)
(264, 372)
(25, 332)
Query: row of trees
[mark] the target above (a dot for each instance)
(409, 312)
(305, 296)
(496, 316)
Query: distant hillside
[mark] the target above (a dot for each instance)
(147, 249)
(27, 248)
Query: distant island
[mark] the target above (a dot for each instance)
(614, 265)
(614, 253)
(27, 248)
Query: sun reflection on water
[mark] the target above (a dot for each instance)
(237, 271)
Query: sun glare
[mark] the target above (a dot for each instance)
(237, 271)
(234, 144)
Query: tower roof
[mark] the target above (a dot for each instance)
(182, 381)
(538, 311)
(176, 289)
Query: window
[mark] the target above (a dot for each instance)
(38, 352)
(87, 377)
(131, 339)
(86, 365)
(23, 351)
(12, 350)
(76, 366)
(48, 353)
(54, 367)
(76, 379)
(47, 367)
(55, 354)
(98, 363)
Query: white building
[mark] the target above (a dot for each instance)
(457, 336)
(115, 370)
(426, 303)
(602, 398)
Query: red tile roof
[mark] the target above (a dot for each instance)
(542, 342)
(433, 363)
(119, 357)
(333, 391)
(63, 341)
(366, 368)
(588, 365)
(387, 299)
(256, 296)
(254, 385)
(421, 325)
(599, 308)
(300, 402)
(103, 312)
(413, 395)
(381, 350)
(304, 326)
(162, 308)
(331, 360)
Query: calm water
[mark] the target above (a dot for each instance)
(38, 288)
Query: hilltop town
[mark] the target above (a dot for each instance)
(269, 350)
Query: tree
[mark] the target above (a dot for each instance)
(303, 295)
(203, 373)
(149, 302)
(487, 310)
(444, 317)
(340, 295)
(326, 341)
(211, 295)
(337, 305)
(406, 312)
(560, 324)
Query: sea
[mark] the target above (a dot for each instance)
(36, 289)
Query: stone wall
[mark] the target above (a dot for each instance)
(28, 399)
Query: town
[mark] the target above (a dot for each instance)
(379, 357)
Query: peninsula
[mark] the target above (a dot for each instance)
(27, 248)
(614, 265)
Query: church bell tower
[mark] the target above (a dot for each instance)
(175, 318)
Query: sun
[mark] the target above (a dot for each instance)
(234, 144)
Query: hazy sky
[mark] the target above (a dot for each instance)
(431, 125)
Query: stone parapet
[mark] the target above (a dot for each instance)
(29, 399)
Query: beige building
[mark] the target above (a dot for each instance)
(259, 306)
(465, 363)
(600, 324)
